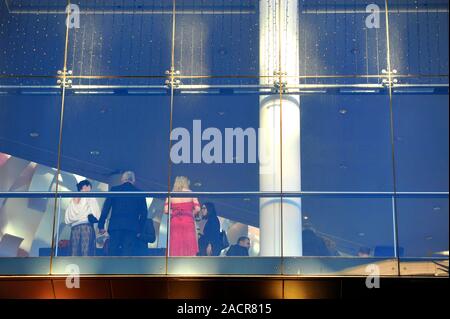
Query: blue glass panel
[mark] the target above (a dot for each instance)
(106, 134)
(361, 227)
(345, 143)
(423, 227)
(419, 37)
(121, 38)
(29, 129)
(226, 166)
(25, 235)
(32, 37)
(335, 40)
(217, 37)
(421, 142)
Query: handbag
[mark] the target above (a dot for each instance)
(148, 232)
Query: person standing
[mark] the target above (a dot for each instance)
(127, 219)
(210, 241)
(183, 232)
(81, 214)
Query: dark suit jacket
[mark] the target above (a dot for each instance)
(127, 213)
(237, 251)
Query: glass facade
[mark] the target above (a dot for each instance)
(316, 130)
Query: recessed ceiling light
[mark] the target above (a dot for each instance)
(305, 217)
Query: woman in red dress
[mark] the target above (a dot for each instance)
(183, 233)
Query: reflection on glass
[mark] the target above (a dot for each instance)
(26, 227)
(28, 141)
(348, 227)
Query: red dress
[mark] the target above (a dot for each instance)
(183, 234)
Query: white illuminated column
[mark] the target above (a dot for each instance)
(270, 139)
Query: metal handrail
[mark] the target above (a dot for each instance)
(226, 194)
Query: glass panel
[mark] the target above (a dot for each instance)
(215, 142)
(344, 142)
(421, 142)
(94, 234)
(422, 154)
(25, 235)
(228, 234)
(29, 130)
(121, 38)
(217, 37)
(342, 236)
(423, 227)
(341, 39)
(419, 38)
(423, 234)
(106, 134)
(32, 37)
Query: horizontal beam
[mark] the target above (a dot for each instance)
(227, 194)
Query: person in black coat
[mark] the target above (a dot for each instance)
(240, 249)
(127, 220)
(210, 241)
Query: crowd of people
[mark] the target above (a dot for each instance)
(127, 217)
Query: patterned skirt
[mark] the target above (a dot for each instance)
(82, 240)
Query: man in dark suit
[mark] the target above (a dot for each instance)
(128, 216)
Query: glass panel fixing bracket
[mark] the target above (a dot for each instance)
(173, 80)
(63, 81)
(390, 80)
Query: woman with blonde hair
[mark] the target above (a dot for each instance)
(183, 233)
